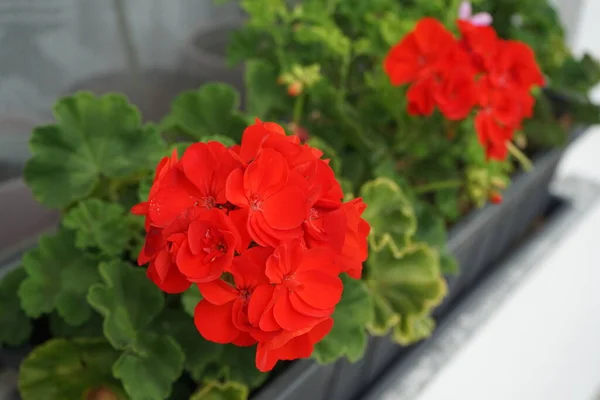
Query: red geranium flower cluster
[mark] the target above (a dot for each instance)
(478, 70)
(262, 231)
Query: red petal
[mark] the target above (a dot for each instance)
(261, 232)
(234, 189)
(194, 267)
(248, 269)
(239, 218)
(140, 209)
(284, 261)
(299, 347)
(174, 283)
(244, 340)
(169, 203)
(218, 292)
(259, 301)
(320, 331)
(199, 164)
(267, 322)
(320, 290)
(320, 258)
(303, 308)
(267, 174)
(252, 140)
(290, 319)
(215, 323)
(286, 209)
(265, 359)
(162, 264)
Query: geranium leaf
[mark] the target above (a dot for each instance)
(92, 327)
(63, 369)
(240, 365)
(15, 325)
(262, 90)
(431, 229)
(348, 336)
(210, 110)
(389, 211)
(58, 278)
(413, 328)
(199, 353)
(190, 298)
(214, 390)
(406, 285)
(148, 370)
(93, 137)
(127, 300)
(99, 224)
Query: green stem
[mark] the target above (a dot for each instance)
(344, 71)
(519, 156)
(298, 108)
(439, 185)
(331, 6)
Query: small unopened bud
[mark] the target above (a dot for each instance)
(280, 80)
(495, 197)
(295, 89)
(101, 393)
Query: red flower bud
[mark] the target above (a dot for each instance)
(294, 89)
(495, 197)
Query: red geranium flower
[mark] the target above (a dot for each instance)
(416, 54)
(480, 42)
(222, 315)
(274, 196)
(515, 67)
(198, 180)
(209, 247)
(307, 288)
(262, 230)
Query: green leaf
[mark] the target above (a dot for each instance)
(348, 336)
(446, 201)
(93, 137)
(99, 224)
(127, 300)
(214, 390)
(208, 111)
(262, 90)
(405, 285)
(199, 353)
(92, 327)
(58, 278)
(224, 140)
(63, 369)
(263, 13)
(15, 326)
(413, 328)
(190, 298)
(240, 365)
(431, 229)
(389, 211)
(149, 370)
(331, 36)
